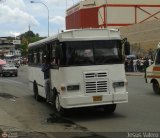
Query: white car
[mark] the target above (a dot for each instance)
(9, 70)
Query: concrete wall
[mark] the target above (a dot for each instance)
(146, 35)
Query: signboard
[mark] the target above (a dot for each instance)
(16, 42)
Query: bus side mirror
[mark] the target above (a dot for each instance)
(127, 48)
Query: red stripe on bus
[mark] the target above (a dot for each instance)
(153, 76)
(156, 68)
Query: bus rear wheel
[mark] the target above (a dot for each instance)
(156, 87)
(35, 90)
(59, 108)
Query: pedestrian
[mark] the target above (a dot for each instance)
(141, 65)
(126, 65)
(138, 65)
(135, 65)
(150, 62)
(46, 69)
(146, 64)
(131, 65)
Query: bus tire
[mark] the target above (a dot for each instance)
(53, 97)
(35, 90)
(156, 87)
(59, 109)
(110, 108)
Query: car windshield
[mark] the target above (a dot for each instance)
(92, 52)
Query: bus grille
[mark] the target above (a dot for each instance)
(96, 75)
(99, 86)
(96, 82)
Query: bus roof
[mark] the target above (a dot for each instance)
(81, 35)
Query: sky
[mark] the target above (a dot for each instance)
(17, 15)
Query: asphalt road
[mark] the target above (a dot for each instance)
(20, 113)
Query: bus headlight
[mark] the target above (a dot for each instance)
(118, 84)
(73, 87)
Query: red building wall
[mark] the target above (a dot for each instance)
(84, 18)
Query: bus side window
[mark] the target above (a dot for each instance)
(40, 58)
(31, 56)
(158, 57)
(52, 54)
(57, 55)
(35, 58)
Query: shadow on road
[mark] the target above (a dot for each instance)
(83, 114)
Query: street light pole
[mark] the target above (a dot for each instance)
(47, 10)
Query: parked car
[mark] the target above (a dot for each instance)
(9, 70)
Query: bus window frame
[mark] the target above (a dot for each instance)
(63, 63)
(55, 55)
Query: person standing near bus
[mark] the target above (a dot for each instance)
(45, 69)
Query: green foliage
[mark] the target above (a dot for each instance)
(28, 34)
(24, 48)
(26, 38)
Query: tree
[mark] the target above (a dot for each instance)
(26, 38)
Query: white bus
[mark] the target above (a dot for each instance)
(90, 72)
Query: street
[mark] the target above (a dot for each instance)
(20, 112)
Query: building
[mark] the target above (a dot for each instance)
(143, 37)
(111, 13)
(8, 47)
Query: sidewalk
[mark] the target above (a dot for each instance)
(134, 73)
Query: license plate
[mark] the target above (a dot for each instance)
(97, 98)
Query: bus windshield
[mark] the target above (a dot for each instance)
(92, 52)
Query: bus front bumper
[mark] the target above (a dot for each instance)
(86, 101)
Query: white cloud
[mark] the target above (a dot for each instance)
(16, 16)
(61, 3)
(15, 4)
(58, 20)
(15, 33)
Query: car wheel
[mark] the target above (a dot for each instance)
(156, 87)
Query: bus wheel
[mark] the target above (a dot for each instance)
(35, 90)
(156, 87)
(110, 108)
(58, 107)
